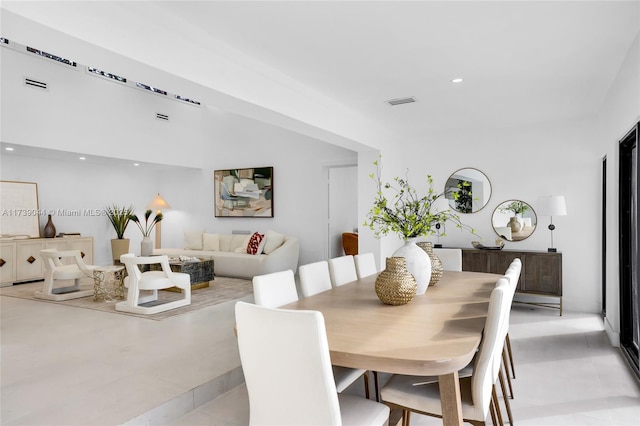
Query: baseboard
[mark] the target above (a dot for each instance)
(179, 406)
(614, 336)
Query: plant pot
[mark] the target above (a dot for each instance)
(418, 263)
(146, 246)
(118, 248)
(395, 285)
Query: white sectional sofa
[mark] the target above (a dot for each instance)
(277, 252)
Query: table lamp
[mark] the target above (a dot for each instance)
(552, 205)
(158, 204)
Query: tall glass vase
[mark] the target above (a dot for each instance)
(418, 263)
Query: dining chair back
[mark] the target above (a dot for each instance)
(314, 278)
(298, 387)
(275, 289)
(342, 270)
(451, 258)
(57, 270)
(365, 264)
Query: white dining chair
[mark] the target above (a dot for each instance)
(275, 289)
(314, 278)
(513, 273)
(451, 258)
(150, 282)
(297, 386)
(279, 288)
(478, 395)
(365, 264)
(342, 270)
(57, 270)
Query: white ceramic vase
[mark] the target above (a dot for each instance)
(418, 263)
(146, 246)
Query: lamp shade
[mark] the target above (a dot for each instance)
(552, 205)
(158, 203)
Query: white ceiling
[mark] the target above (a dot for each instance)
(522, 62)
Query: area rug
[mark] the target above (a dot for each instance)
(220, 290)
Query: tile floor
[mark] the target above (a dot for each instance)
(68, 366)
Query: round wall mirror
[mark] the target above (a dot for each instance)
(514, 220)
(473, 190)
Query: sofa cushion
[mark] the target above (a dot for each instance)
(211, 242)
(193, 240)
(255, 245)
(240, 243)
(273, 241)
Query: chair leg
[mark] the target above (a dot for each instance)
(507, 404)
(366, 385)
(492, 410)
(376, 384)
(513, 370)
(494, 397)
(504, 363)
(406, 417)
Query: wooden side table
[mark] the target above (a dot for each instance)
(108, 283)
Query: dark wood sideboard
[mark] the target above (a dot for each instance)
(541, 271)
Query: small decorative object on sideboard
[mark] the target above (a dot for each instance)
(499, 245)
(395, 285)
(49, 229)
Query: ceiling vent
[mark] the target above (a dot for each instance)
(35, 83)
(400, 101)
(163, 117)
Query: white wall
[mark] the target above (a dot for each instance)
(620, 112)
(84, 114)
(521, 163)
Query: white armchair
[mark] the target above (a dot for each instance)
(56, 270)
(151, 282)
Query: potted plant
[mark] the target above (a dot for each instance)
(146, 247)
(119, 218)
(410, 216)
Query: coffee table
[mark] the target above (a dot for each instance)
(200, 271)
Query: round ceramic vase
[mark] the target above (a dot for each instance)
(436, 264)
(418, 263)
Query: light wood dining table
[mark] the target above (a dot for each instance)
(436, 334)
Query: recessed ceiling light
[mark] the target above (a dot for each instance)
(8, 148)
(456, 80)
(136, 164)
(82, 158)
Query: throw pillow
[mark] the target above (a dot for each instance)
(255, 243)
(211, 242)
(193, 240)
(274, 240)
(243, 246)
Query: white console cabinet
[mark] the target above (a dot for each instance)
(20, 260)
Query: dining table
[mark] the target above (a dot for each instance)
(435, 334)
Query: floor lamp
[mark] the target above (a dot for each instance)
(552, 205)
(158, 204)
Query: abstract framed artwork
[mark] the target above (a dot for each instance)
(243, 192)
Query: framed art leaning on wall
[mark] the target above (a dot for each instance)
(243, 192)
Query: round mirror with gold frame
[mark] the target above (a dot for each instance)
(467, 190)
(514, 220)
